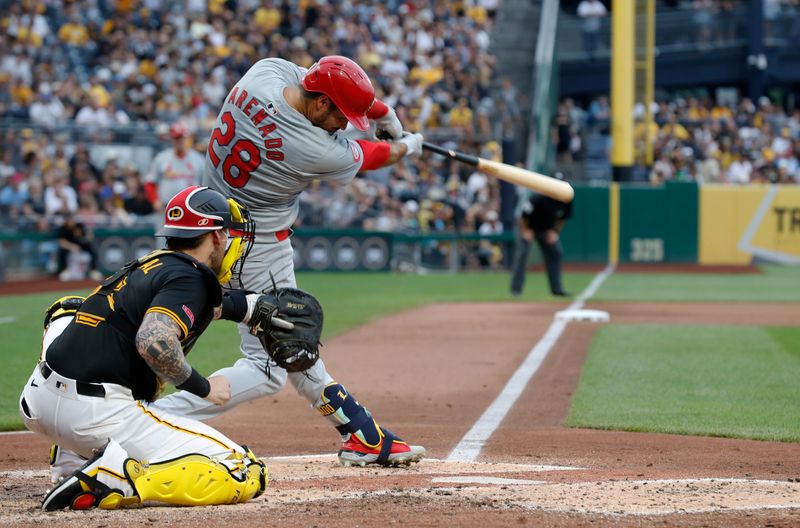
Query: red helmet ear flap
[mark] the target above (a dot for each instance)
(346, 84)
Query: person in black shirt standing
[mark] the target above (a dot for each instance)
(106, 358)
(542, 219)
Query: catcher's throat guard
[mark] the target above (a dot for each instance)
(240, 241)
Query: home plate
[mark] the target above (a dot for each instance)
(592, 316)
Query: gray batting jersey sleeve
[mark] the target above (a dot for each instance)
(265, 153)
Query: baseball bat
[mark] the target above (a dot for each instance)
(557, 189)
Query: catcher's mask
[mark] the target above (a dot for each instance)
(196, 211)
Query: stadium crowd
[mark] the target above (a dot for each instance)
(696, 138)
(76, 73)
(99, 65)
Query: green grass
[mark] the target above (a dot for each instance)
(697, 380)
(353, 299)
(349, 300)
(773, 284)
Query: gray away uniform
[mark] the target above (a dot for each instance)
(292, 152)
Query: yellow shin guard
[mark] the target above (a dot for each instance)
(196, 480)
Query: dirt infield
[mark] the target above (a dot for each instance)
(532, 471)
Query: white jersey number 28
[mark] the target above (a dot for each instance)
(244, 155)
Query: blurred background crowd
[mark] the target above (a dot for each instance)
(694, 137)
(104, 67)
(85, 83)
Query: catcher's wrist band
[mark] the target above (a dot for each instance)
(234, 305)
(196, 384)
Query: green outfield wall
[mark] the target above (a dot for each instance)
(681, 222)
(645, 223)
(677, 222)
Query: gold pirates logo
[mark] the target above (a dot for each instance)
(175, 214)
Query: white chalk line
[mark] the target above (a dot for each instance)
(8, 319)
(25, 473)
(498, 481)
(664, 511)
(469, 448)
(9, 433)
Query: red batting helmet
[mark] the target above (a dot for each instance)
(346, 84)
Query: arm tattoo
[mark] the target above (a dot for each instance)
(158, 343)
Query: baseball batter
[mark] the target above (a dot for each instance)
(105, 358)
(278, 130)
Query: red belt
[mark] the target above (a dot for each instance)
(280, 236)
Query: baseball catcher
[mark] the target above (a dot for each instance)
(288, 322)
(105, 358)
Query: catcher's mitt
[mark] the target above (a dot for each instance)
(295, 349)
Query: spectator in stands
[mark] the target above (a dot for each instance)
(562, 133)
(21, 98)
(27, 26)
(76, 41)
(18, 65)
(94, 115)
(592, 12)
(13, 196)
(599, 112)
(33, 210)
(461, 118)
(489, 253)
(772, 13)
(59, 198)
(5, 94)
(740, 169)
(88, 212)
(47, 111)
(703, 19)
(7, 163)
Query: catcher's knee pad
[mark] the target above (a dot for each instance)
(352, 417)
(62, 307)
(196, 480)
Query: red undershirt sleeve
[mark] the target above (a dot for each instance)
(375, 153)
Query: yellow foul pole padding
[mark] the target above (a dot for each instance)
(613, 223)
(622, 83)
(650, 78)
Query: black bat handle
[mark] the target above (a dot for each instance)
(452, 154)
